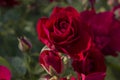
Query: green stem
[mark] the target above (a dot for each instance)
(27, 62)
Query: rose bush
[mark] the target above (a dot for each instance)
(84, 37)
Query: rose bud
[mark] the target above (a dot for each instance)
(51, 62)
(9, 3)
(93, 62)
(5, 73)
(65, 32)
(24, 44)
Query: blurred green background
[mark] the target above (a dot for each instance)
(21, 21)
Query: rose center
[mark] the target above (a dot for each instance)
(63, 26)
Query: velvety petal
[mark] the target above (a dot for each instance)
(56, 10)
(105, 27)
(79, 46)
(93, 61)
(101, 22)
(87, 15)
(94, 76)
(42, 31)
(71, 9)
(115, 36)
(80, 42)
(59, 39)
(69, 35)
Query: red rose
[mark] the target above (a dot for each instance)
(5, 73)
(64, 31)
(8, 3)
(106, 30)
(92, 63)
(51, 61)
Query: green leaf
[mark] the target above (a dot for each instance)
(109, 74)
(4, 62)
(113, 62)
(113, 68)
(49, 7)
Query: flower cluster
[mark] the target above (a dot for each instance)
(84, 37)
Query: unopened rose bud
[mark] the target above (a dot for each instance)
(24, 44)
